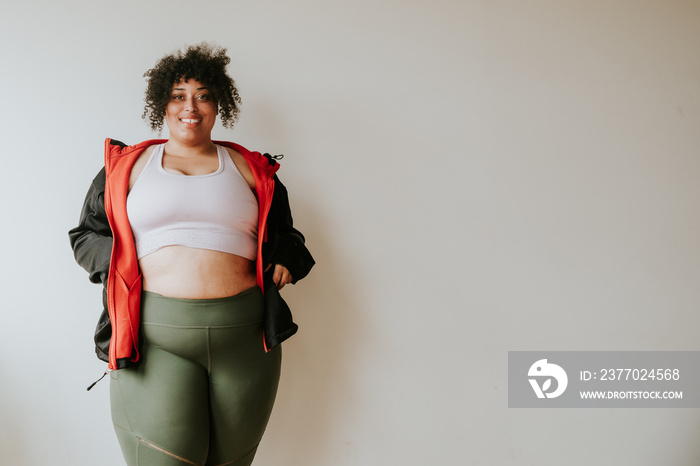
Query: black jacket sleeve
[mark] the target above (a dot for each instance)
(92, 241)
(285, 244)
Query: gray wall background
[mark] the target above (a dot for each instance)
(472, 176)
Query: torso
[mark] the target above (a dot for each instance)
(183, 272)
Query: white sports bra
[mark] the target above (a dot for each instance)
(216, 211)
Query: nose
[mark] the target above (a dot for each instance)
(191, 104)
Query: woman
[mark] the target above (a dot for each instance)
(185, 234)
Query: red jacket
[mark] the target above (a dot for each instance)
(123, 278)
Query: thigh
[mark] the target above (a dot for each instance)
(243, 386)
(160, 410)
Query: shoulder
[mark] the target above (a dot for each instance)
(259, 162)
(140, 164)
(127, 161)
(121, 157)
(242, 165)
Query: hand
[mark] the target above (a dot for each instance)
(280, 275)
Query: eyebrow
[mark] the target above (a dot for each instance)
(182, 88)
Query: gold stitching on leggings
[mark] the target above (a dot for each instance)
(163, 450)
(240, 458)
(143, 440)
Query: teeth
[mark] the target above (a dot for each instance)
(189, 120)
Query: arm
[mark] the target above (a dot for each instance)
(285, 246)
(91, 240)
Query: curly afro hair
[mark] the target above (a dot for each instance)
(204, 63)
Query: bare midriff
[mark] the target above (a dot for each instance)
(183, 272)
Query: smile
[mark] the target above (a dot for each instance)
(190, 120)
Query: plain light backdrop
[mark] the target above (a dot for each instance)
(472, 177)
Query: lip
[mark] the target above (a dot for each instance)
(190, 121)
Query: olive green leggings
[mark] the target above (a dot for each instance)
(204, 389)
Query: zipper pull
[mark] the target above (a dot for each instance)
(103, 376)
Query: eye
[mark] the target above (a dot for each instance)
(177, 97)
(203, 97)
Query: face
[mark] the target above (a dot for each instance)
(191, 112)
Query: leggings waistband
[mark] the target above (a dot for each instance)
(245, 308)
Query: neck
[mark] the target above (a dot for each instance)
(183, 148)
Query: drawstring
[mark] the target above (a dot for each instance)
(95, 382)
